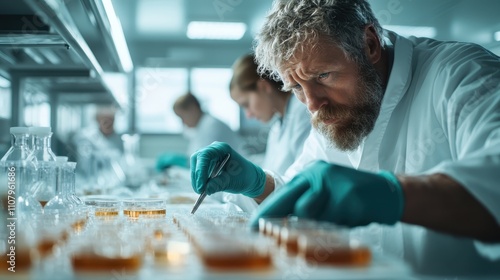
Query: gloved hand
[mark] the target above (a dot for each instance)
(337, 194)
(238, 176)
(170, 159)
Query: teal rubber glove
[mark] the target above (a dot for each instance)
(167, 160)
(338, 194)
(238, 175)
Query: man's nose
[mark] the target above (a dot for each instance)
(314, 98)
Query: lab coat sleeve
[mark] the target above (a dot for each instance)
(467, 103)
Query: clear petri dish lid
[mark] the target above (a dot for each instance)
(40, 130)
(19, 130)
(101, 201)
(146, 203)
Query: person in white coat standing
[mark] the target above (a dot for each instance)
(200, 130)
(406, 142)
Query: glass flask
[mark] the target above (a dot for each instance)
(19, 149)
(71, 181)
(17, 176)
(45, 161)
(62, 200)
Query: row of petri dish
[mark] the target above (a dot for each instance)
(106, 208)
(225, 242)
(319, 243)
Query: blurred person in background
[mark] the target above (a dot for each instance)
(99, 139)
(200, 130)
(263, 99)
(105, 118)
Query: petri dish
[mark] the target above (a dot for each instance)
(225, 252)
(103, 208)
(331, 248)
(144, 207)
(90, 261)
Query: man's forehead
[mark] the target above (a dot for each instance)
(313, 60)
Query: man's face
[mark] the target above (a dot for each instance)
(343, 97)
(106, 123)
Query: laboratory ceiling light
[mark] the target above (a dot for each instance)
(118, 37)
(216, 30)
(417, 31)
(497, 36)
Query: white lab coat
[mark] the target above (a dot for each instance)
(286, 136)
(440, 113)
(210, 129)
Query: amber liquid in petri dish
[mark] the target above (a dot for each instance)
(137, 213)
(79, 225)
(23, 261)
(291, 244)
(243, 260)
(359, 256)
(106, 213)
(276, 234)
(93, 262)
(45, 247)
(159, 234)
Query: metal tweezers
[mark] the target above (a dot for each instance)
(215, 172)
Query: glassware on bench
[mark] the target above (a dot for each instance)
(17, 176)
(45, 161)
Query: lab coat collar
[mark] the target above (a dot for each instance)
(397, 85)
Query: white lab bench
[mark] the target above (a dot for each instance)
(283, 266)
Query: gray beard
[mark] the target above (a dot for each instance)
(356, 122)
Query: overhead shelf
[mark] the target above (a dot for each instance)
(44, 38)
(55, 14)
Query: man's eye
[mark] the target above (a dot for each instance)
(297, 87)
(323, 76)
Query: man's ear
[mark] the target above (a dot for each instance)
(373, 49)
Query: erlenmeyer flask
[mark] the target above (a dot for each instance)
(71, 180)
(44, 159)
(61, 201)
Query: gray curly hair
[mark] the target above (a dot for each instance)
(294, 26)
